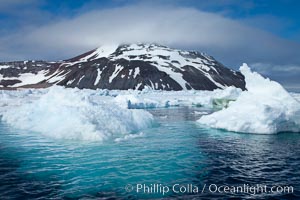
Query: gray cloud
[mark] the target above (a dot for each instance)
(269, 69)
(288, 75)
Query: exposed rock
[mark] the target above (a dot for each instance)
(123, 67)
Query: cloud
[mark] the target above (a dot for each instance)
(288, 75)
(229, 40)
(269, 69)
(9, 5)
(19, 15)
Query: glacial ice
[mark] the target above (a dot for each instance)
(164, 99)
(266, 107)
(76, 115)
(66, 113)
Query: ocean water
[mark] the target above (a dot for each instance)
(175, 151)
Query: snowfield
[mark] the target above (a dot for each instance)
(97, 115)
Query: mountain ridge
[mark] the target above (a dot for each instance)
(127, 66)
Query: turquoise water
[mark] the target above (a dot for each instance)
(175, 151)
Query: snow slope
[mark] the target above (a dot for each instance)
(265, 108)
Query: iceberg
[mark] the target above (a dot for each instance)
(265, 108)
(163, 99)
(75, 115)
(221, 103)
(83, 114)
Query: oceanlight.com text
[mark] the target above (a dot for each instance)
(208, 188)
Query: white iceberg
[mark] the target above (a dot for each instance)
(266, 107)
(75, 114)
(164, 99)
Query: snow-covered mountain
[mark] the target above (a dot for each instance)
(133, 66)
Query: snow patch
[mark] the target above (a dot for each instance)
(98, 77)
(105, 51)
(118, 69)
(136, 72)
(30, 78)
(4, 66)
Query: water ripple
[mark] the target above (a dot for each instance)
(176, 151)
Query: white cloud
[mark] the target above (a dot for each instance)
(225, 38)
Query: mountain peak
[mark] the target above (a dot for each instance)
(128, 66)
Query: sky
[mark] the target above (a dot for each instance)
(264, 34)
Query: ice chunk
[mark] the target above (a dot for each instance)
(221, 103)
(76, 114)
(162, 99)
(134, 102)
(265, 108)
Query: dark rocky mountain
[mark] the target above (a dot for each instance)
(123, 67)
